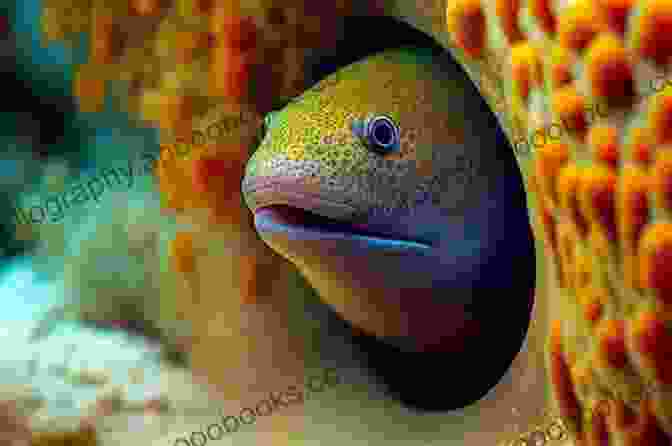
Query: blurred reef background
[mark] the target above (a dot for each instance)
(104, 83)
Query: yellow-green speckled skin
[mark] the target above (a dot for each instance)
(426, 95)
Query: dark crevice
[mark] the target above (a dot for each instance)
(362, 36)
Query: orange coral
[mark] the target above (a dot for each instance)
(176, 113)
(579, 23)
(173, 180)
(599, 432)
(611, 339)
(229, 73)
(583, 273)
(549, 228)
(603, 140)
(592, 300)
(660, 118)
(640, 142)
(653, 28)
(609, 69)
(182, 252)
(597, 199)
(223, 14)
(661, 178)
(240, 34)
(89, 87)
(561, 67)
(526, 69)
(563, 388)
(655, 260)
(633, 213)
(541, 10)
(550, 159)
(569, 105)
(616, 13)
(218, 180)
(507, 10)
(567, 253)
(568, 182)
(186, 44)
(104, 38)
(467, 27)
(145, 7)
(249, 269)
(653, 341)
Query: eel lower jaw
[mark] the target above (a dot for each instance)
(306, 224)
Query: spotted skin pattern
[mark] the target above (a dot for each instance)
(313, 138)
(600, 192)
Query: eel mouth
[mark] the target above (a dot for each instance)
(286, 218)
(288, 205)
(283, 205)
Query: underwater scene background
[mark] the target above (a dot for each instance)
(144, 307)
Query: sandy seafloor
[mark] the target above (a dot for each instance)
(53, 402)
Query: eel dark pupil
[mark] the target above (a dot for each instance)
(382, 134)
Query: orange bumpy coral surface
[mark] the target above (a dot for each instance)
(602, 191)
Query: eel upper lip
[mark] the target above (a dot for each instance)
(264, 192)
(313, 211)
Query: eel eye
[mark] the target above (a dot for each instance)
(382, 134)
(263, 130)
(266, 124)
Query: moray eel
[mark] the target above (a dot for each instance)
(395, 197)
(580, 90)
